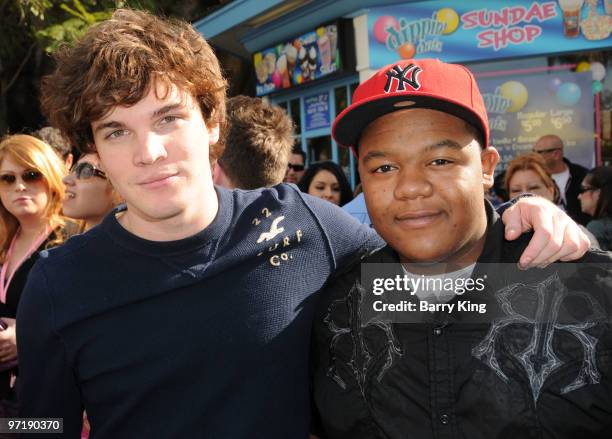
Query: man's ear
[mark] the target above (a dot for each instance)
(216, 172)
(220, 178)
(489, 157)
(213, 134)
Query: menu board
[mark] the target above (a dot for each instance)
(523, 108)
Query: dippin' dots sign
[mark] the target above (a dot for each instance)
(497, 28)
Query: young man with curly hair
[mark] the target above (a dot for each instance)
(189, 311)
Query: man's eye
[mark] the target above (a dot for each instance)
(440, 162)
(117, 133)
(168, 119)
(383, 169)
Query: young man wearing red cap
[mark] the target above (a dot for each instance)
(440, 334)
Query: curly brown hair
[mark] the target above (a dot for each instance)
(257, 142)
(116, 63)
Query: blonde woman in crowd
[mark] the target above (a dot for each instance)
(31, 194)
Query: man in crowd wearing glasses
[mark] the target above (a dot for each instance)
(295, 169)
(566, 174)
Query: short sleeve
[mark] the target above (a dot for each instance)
(348, 238)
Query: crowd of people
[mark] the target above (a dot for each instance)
(42, 205)
(545, 171)
(159, 276)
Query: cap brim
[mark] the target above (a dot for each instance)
(349, 124)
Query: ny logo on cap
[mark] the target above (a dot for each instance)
(396, 73)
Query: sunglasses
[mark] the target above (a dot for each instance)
(30, 176)
(296, 168)
(584, 189)
(86, 170)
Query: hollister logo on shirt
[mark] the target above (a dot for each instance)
(398, 76)
(277, 250)
(274, 230)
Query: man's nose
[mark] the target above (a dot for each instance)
(412, 184)
(150, 149)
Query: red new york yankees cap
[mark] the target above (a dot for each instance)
(413, 83)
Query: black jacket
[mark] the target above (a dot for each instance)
(498, 375)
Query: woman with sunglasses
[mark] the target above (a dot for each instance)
(89, 194)
(31, 194)
(89, 198)
(596, 200)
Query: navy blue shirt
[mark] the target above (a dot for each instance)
(207, 336)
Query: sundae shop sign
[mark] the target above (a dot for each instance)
(485, 30)
(303, 59)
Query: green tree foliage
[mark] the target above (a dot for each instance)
(70, 29)
(49, 23)
(30, 30)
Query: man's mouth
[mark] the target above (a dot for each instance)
(417, 218)
(157, 179)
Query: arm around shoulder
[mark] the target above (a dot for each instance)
(348, 238)
(47, 386)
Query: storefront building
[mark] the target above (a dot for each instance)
(544, 67)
